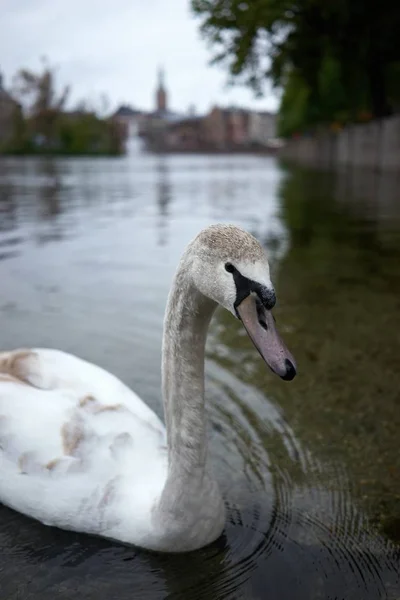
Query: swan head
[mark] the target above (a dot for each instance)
(231, 268)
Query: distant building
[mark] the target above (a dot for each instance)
(227, 128)
(262, 128)
(130, 119)
(238, 127)
(156, 123)
(162, 114)
(222, 129)
(8, 108)
(216, 128)
(161, 94)
(186, 135)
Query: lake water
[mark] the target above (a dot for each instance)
(310, 470)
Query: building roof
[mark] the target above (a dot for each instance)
(126, 111)
(189, 120)
(166, 115)
(267, 113)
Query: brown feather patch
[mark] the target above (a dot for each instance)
(52, 464)
(109, 407)
(17, 365)
(87, 400)
(72, 435)
(6, 378)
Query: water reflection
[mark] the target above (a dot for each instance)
(309, 470)
(50, 198)
(50, 202)
(164, 194)
(340, 280)
(8, 218)
(345, 309)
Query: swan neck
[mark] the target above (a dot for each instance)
(187, 318)
(190, 512)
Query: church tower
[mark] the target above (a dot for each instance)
(161, 94)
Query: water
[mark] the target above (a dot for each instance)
(310, 470)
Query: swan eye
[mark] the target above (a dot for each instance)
(229, 267)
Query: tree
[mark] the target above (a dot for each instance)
(340, 50)
(48, 128)
(37, 93)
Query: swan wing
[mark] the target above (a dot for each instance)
(73, 440)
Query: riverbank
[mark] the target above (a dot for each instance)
(373, 145)
(259, 150)
(61, 154)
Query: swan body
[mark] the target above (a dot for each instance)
(79, 450)
(72, 438)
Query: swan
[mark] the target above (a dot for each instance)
(81, 451)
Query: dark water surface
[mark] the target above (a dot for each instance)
(310, 469)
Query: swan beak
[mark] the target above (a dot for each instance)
(260, 326)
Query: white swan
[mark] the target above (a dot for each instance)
(80, 451)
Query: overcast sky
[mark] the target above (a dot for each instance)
(115, 47)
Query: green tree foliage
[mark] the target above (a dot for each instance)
(303, 106)
(85, 133)
(339, 53)
(294, 105)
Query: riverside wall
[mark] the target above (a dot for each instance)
(374, 145)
